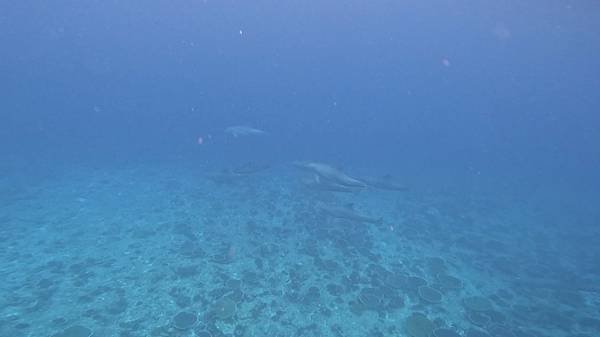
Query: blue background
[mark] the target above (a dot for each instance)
(493, 97)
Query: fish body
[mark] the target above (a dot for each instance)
(316, 183)
(384, 183)
(242, 130)
(331, 173)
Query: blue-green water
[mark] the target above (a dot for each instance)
(299, 169)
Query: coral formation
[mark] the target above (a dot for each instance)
(418, 325)
(224, 308)
(429, 294)
(75, 331)
(185, 320)
(449, 282)
(477, 303)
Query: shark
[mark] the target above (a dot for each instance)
(243, 130)
(316, 183)
(384, 183)
(331, 174)
(346, 213)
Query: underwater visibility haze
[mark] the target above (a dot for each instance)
(228, 168)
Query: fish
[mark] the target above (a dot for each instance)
(331, 173)
(242, 130)
(317, 183)
(384, 183)
(223, 177)
(347, 213)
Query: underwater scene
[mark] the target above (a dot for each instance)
(227, 168)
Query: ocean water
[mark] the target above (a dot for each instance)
(299, 168)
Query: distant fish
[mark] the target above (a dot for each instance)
(384, 183)
(316, 183)
(332, 174)
(223, 177)
(242, 130)
(347, 213)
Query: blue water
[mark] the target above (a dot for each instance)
(453, 189)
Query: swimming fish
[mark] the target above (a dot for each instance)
(242, 130)
(316, 183)
(330, 173)
(384, 183)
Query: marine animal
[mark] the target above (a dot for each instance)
(347, 213)
(316, 183)
(384, 183)
(331, 173)
(224, 176)
(243, 130)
